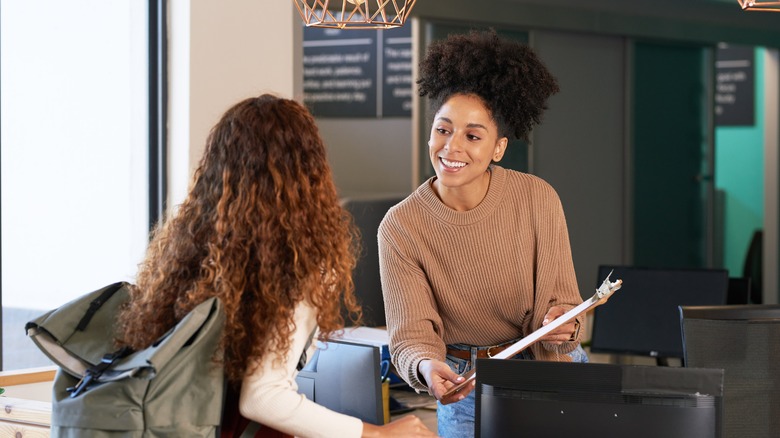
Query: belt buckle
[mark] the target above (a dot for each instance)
(489, 354)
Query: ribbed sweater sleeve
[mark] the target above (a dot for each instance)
(270, 395)
(479, 277)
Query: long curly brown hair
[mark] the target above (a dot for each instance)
(261, 229)
(507, 75)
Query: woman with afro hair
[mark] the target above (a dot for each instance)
(262, 229)
(478, 256)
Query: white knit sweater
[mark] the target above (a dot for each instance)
(270, 395)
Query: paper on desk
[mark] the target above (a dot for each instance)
(365, 335)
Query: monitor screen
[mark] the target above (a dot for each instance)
(345, 377)
(367, 215)
(643, 317)
(564, 399)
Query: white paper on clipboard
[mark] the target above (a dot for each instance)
(603, 293)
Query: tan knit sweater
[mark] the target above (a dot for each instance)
(479, 277)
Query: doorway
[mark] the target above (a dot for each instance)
(672, 155)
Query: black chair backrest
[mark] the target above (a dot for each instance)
(744, 341)
(739, 290)
(753, 267)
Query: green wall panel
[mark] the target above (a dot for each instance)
(739, 175)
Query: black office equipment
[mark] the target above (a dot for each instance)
(346, 378)
(643, 319)
(739, 290)
(564, 399)
(745, 342)
(753, 267)
(367, 214)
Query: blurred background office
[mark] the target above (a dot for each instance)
(662, 144)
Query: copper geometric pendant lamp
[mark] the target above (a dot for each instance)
(354, 14)
(757, 5)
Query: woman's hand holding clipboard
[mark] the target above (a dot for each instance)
(601, 296)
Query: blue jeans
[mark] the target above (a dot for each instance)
(456, 420)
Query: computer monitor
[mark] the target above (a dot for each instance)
(345, 377)
(565, 399)
(642, 319)
(742, 340)
(367, 214)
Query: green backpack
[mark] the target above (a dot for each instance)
(173, 388)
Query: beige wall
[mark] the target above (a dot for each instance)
(219, 53)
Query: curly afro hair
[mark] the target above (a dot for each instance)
(507, 75)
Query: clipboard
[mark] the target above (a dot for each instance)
(601, 296)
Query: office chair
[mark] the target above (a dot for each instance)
(753, 268)
(744, 341)
(739, 290)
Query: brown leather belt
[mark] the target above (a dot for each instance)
(481, 354)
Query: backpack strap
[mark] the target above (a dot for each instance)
(94, 372)
(95, 304)
(303, 359)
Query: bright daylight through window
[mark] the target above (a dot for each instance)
(74, 161)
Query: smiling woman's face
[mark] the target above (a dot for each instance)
(464, 141)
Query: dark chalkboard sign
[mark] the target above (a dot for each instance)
(397, 87)
(734, 85)
(357, 73)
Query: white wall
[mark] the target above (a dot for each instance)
(369, 157)
(220, 53)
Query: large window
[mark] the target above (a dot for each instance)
(74, 161)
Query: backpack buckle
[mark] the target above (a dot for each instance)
(86, 379)
(96, 371)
